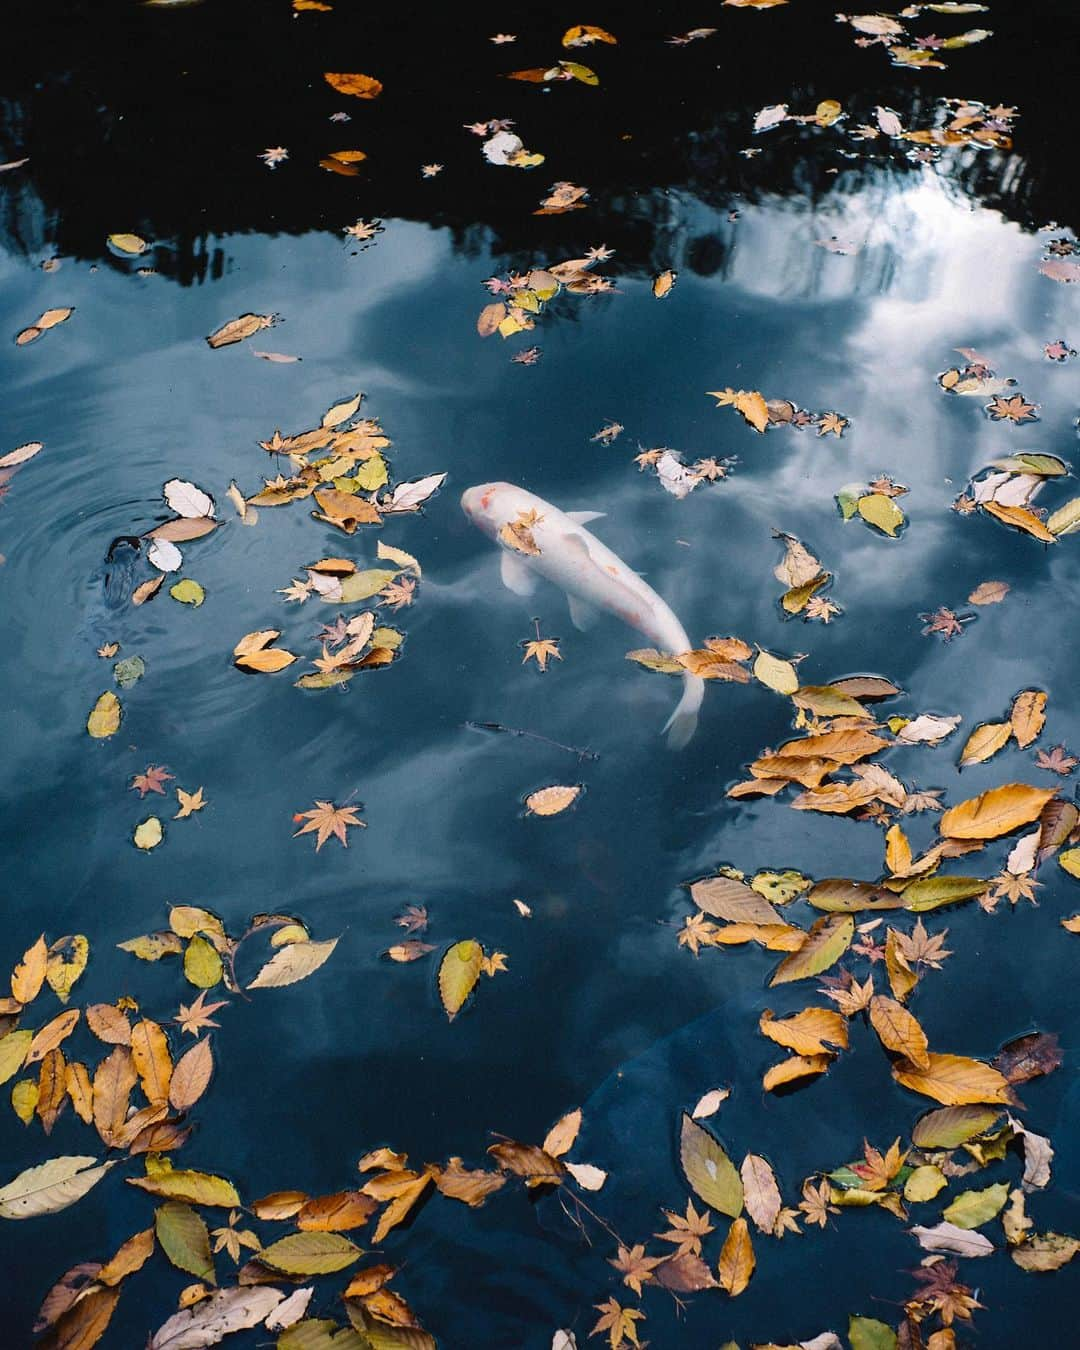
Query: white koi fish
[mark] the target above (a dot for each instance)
(592, 576)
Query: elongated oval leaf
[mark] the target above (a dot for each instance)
(709, 1170)
(184, 1239)
(955, 1080)
(292, 963)
(828, 940)
(49, 1187)
(458, 972)
(995, 812)
(310, 1254)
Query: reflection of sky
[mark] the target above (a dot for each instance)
(128, 394)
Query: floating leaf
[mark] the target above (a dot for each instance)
(188, 592)
(828, 939)
(952, 1126)
(148, 833)
(898, 1030)
(736, 1259)
(708, 1169)
(867, 1333)
(1046, 1251)
(197, 1188)
(292, 963)
(775, 673)
(954, 1080)
(104, 719)
(550, 801)
(214, 1318)
(984, 741)
(971, 1209)
(310, 1254)
(184, 1239)
(128, 243)
(358, 86)
(882, 512)
(49, 1187)
(995, 812)
(459, 971)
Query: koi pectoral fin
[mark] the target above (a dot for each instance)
(583, 517)
(516, 576)
(582, 615)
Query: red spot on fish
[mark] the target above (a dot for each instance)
(485, 500)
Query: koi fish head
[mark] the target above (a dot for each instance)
(488, 505)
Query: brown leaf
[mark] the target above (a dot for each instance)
(153, 1063)
(108, 1024)
(113, 1081)
(809, 1032)
(336, 1213)
(191, 1076)
(1029, 1057)
(358, 86)
(1028, 716)
(726, 898)
(132, 1256)
(472, 1188)
(84, 1323)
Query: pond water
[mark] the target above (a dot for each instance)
(837, 272)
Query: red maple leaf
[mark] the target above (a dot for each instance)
(153, 780)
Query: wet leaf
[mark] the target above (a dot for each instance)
(1046, 1251)
(459, 971)
(954, 1080)
(184, 1239)
(236, 330)
(761, 1194)
(358, 86)
(737, 1259)
(995, 812)
(708, 1169)
(794, 1069)
(971, 1209)
(104, 719)
(196, 1188)
(867, 1333)
(293, 963)
(50, 1186)
(188, 592)
(550, 801)
(828, 939)
(211, 1320)
(984, 741)
(952, 1126)
(810, 1032)
(898, 1030)
(191, 1076)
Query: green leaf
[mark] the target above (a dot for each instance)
(188, 592)
(321, 1334)
(828, 939)
(866, 1333)
(387, 637)
(129, 671)
(13, 1050)
(779, 888)
(1069, 860)
(184, 1240)
(827, 701)
(974, 1208)
(848, 499)
(1066, 519)
(709, 1170)
(1046, 466)
(363, 585)
(882, 512)
(372, 474)
(202, 964)
(458, 972)
(952, 1126)
(198, 1188)
(310, 1254)
(932, 892)
(924, 1183)
(49, 1187)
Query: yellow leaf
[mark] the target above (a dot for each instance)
(341, 412)
(954, 1080)
(806, 1032)
(1022, 518)
(897, 852)
(828, 939)
(924, 1183)
(128, 243)
(775, 674)
(254, 642)
(266, 661)
(709, 1170)
(550, 801)
(996, 812)
(459, 971)
(560, 1138)
(359, 86)
(63, 970)
(1028, 716)
(397, 555)
(790, 1070)
(736, 1259)
(24, 1099)
(104, 719)
(902, 980)
(153, 1063)
(29, 975)
(188, 592)
(663, 284)
(753, 407)
(898, 1030)
(881, 511)
(581, 34)
(984, 741)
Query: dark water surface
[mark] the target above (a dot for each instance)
(151, 121)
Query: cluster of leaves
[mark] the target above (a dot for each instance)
(911, 50)
(874, 503)
(1006, 488)
(527, 294)
(762, 413)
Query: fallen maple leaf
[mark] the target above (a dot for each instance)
(153, 780)
(833, 422)
(328, 820)
(413, 918)
(687, 1230)
(190, 802)
(618, 1322)
(945, 622)
(634, 1266)
(1013, 409)
(195, 1017)
(396, 594)
(1056, 760)
(541, 650)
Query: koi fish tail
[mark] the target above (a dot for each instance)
(682, 723)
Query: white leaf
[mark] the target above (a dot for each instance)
(675, 476)
(1022, 857)
(20, 454)
(1038, 1154)
(828, 1340)
(771, 116)
(327, 586)
(564, 1340)
(292, 963)
(710, 1103)
(888, 121)
(947, 1237)
(498, 148)
(49, 1187)
(928, 729)
(984, 489)
(587, 1176)
(408, 496)
(1020, 489)
(187, 500)
(294, 1307)
(216, 1317)
(165, 556)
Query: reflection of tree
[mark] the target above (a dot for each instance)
(152, 121)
